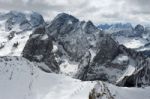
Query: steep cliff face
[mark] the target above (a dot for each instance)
(140, 74)
(102, 67)
(76, 37)
(83, 66)
(139, 78)
(118, 65)
(39, 49)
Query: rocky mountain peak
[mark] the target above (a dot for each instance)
(139, 28)
(36, 19)
(21, 21)
(64, 17)
(89, 23)
(89, 27)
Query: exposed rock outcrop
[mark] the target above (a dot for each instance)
(75, 37)
(118, 65)
(99, 56)
(101, 91)
(39, 48)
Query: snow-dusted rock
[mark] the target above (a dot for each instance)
(118, 65)
(15, 27)
(83, 66)
(107, 91)
(74, 38)
(15, 20)
(39, 48)
(21, 21)
(78, 38)
(139, 29)
(36, 19)
(22, 79)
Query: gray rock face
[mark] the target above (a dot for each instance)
(14, 18)
(76, 37)
(39, 48)
(111, 64)
(139, 29)
(62, 24)
(83, 66)
(108, 50)
(102, 64)
(36, 19)
(79, 40)
(141, 75)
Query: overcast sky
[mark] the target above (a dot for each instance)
(98, 11)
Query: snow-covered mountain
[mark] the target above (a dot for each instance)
(94, 54)
(64, 59)
(15, 28)
(115, 27)
(16, 20)
(22, 79)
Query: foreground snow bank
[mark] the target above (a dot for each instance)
(21, 79)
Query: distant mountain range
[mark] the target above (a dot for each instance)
(115, 26)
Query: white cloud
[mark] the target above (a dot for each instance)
(98, 11)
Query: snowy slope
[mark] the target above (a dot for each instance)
(8, 48)
(21, 79)
(131, 42)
